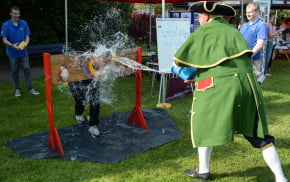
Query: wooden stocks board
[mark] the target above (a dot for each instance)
(75, 66)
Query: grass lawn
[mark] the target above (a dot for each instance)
(235, 162)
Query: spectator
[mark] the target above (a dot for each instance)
(15, 35)
(286, 33)
(255, 31)
(270, 44)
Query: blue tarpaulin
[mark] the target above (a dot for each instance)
(119, 140)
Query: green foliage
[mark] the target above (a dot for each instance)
(158, 7)
(235, 162)
(2, 53)
(281, 15)
(140, 28)
(46, 18)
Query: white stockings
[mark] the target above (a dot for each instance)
(271, 157)
(204, 159)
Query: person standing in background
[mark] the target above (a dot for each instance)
(255, 31)
(15, 35)
(270, 44)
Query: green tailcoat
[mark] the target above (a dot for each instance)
(227, 98)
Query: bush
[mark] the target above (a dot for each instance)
(2, 53)
(46, 19)
(140, 28)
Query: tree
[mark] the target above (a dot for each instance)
(281, 15)
(46, 18)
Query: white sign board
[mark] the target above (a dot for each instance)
(171, 34)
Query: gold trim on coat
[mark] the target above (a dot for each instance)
(191, 125)
(255, 95)
(216, 63)
(266, 146)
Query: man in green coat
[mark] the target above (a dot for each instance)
(228, 98)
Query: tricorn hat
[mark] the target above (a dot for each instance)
(213, 8)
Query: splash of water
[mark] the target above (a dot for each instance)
(109, 43)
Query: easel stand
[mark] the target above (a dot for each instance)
(162, 90)
(53, 137)
(137, 111)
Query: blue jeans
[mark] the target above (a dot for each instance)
(269, 54)
(15, 64)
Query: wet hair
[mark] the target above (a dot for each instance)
(107, 53)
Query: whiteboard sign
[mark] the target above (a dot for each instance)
(171, 34)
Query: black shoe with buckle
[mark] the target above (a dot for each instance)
(194, 174)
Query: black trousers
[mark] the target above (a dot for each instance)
(86, 91)
(256, 141)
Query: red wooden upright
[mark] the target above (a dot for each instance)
(53, 137)
(137, 111)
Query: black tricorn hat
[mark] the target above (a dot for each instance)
(213, 8)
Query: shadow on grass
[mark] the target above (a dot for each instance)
(276, 107)
(258, 174)
(282, 143)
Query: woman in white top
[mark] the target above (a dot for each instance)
(270, 44)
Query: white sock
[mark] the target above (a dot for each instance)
(204, 159)
(271, 157)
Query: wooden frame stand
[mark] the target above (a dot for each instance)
(53, 137)
(137, 111)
